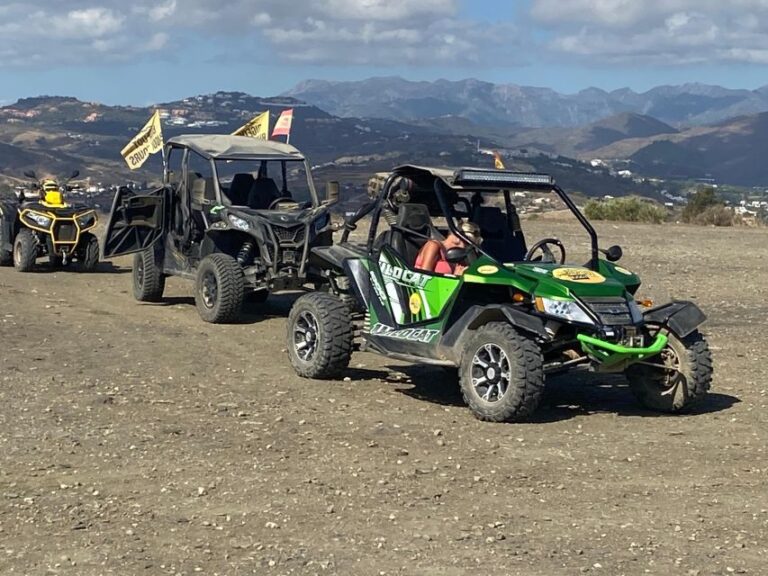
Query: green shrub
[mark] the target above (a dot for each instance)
(700, 202)
(717, 216)
(629, 209)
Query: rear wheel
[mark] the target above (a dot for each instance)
(501, 374)
(6, 256)
(88, 252)
(148, 279)
(24, 250)
(677, 378)
(319, 336)
(219, 289)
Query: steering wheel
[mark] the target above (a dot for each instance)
(277, 201)
(546, 253)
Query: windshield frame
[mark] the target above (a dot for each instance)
(440, 187)
(282, 160)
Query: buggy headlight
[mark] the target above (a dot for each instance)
(239, 223)
(39, 219)
(565, 309)
(86, 220)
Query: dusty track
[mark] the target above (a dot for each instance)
(135, 439)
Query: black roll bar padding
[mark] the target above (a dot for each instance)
(362, 212)
(375, 206)
(594, 263)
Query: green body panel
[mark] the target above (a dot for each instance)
(539, 279)
(413, 296)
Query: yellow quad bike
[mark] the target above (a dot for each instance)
(47, 225)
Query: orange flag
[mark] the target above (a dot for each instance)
(498, 162)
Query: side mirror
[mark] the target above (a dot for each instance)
(30, 174)
(613, 253)
(75, 174)
(331, 192)
(456, 255)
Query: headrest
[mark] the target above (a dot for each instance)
(414, 217)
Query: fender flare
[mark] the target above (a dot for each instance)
(477, 316)
(680, 316)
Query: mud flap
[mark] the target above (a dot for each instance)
(681, 317)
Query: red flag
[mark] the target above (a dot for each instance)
(283, 124)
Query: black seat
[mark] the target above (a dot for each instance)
(197, 206)
(263, 192)
(410, 232)
(240, 188)
(498, 239)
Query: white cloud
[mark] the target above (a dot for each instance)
(665, 32)
(322, 32)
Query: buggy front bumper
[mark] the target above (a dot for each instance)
(613, 357)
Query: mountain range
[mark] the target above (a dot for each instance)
(56, 134)
(489, 104)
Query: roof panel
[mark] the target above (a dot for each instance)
(228, 146)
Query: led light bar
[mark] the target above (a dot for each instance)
(503, 179)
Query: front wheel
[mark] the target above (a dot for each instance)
(148, 279)
(219, 289)
(677, 378)
(88, 252)
(501, 374)
(25, 250)
(319, 336)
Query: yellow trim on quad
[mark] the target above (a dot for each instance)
(75, 219)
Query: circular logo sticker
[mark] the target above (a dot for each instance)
(414, 303)
(622, 270)
(581, 275)
(487, 269)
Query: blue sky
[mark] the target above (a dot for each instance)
(145, 51)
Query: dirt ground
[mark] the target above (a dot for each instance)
(135, 439)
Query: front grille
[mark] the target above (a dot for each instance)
(611, 311)
(64, 231)
(294, 235)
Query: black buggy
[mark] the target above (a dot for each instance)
(235, 214)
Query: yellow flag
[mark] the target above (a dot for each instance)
(148, 141)
(256, 128)
(498, 162)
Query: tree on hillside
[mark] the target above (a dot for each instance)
(704, 198)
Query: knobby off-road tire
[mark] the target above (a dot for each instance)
(148, 279)
(88, 252)
(6, 256)
(24, 251)
(319, 336)
(219, 289)
(674, 390)
(501, 374)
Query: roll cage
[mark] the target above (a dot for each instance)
(436, 186)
